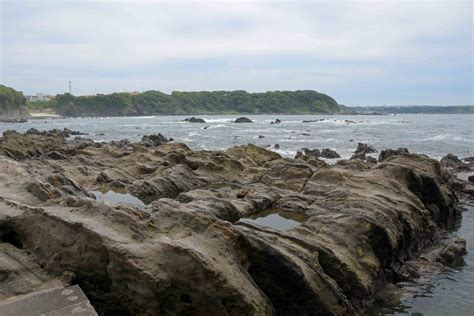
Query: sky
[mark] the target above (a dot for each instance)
(361, 53)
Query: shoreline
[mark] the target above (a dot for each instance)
(345, 237)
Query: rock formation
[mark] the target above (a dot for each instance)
(324, 153)
(195, 120)
(243, 120)
(189, 251)
(362, 151)
(12, 106)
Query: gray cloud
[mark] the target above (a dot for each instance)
(255, 45)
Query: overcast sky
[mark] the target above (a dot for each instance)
(361, 53)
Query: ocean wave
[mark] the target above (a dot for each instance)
(217, 126)
(443, 137)
(191, 134)
(220, 120)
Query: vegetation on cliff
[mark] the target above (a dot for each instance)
(203, 102)
(11, 103)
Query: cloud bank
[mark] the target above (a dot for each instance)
(362, 53)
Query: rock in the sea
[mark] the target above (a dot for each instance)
(362, 151)
(453, 162)
(243, 120)
(340, 230)
(471, 179)
(450, 160)
(277, 121)
(365, 148)
(13, 120)
(325, 153)
(329, 153)
(195, 120)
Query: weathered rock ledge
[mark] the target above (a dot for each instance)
(189, 251)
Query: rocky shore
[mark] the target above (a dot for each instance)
(195, 246)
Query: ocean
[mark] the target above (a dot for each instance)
(433, 135)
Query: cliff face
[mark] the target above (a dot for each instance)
(203, 102)
(12, 105)
(199, 246)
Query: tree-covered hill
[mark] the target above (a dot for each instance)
(12, 104)
(203, 102)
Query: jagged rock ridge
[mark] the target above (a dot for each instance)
(189, 251)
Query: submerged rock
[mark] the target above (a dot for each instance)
(190, 249)
(195, 120)
(243, 120)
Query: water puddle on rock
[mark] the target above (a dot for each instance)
(465, 175)
(118, 198)
(276, 219)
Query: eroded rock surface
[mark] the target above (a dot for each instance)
(188, 251)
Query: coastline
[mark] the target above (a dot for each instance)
(209, 193)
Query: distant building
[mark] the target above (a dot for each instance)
(38, 97)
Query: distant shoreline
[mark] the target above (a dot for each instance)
(52, 115)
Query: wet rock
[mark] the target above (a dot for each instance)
(329, 153)
(470, 179)
(261, 136)
(276, 146)
(13, 120)
(325, 153)
(365, 148)
(33, 131)
(384, 154)
(73, 133)
(55, 155)
(195, 120)
(450, 254)
(188, 252)
(362, 151)
(371, 160)
(154, 140)
(450, 160)
(311, 152)
(277, 121)
(243, 120)
(453, 162)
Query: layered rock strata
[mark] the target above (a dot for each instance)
(190, 249)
